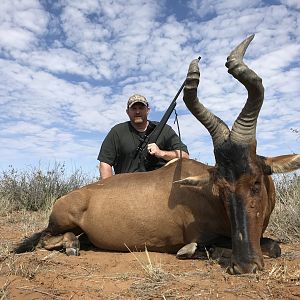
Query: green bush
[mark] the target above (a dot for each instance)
(35, 189)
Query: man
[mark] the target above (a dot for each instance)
(119, 153)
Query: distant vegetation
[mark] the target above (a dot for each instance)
(37, 190)
(285, 219)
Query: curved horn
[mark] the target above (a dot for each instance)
(244, 127)
(216, 127)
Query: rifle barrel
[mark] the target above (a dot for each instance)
(154, 135)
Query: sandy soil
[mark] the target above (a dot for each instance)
(138, 275)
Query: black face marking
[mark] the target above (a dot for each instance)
(241, 169)
(239, 217)
(267, 170)
(232, 160)
(240, 227)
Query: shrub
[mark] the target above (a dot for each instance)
(35, 189)
(285, 219)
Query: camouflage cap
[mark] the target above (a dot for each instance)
(136, 98)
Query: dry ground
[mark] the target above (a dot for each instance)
(107, 275)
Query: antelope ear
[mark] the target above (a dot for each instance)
(282, 164)
(194, 180)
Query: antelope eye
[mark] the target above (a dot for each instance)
(255, 188)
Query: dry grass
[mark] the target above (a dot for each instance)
(14, 265)
(155, 276)
(283, 273)
(153, 270)
(27, 222)
(4, 293)
(11, 267)
(285, 219)
(35, 189)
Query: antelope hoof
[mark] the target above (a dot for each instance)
(72, 251)
(270, 248)
(187, 251)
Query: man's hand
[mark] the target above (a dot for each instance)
(154, 150)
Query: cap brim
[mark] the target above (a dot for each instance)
(138, 101)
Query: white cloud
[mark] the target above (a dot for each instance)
(291, 3)
(22, 23)
(15, 38)
(67, 69)
(207, 7)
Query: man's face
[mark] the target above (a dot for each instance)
(138, 113)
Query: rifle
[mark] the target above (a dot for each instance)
(141, 150)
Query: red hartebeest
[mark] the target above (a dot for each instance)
(185, 204)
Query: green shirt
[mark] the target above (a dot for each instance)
(119, 148)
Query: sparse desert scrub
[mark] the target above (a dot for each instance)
(34, 189)
(285, 219)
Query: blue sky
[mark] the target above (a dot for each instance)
(68, 68)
